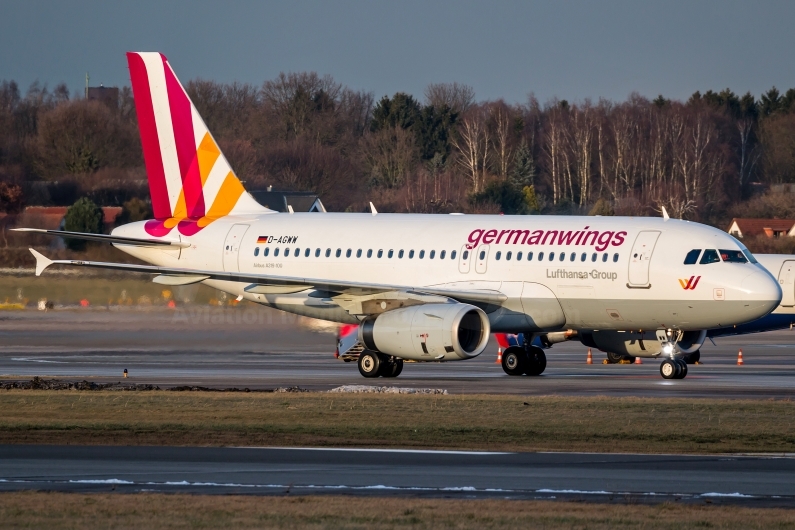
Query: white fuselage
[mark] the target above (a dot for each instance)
(605, 273)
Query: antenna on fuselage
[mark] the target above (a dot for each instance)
(665, 214)
(373, 210)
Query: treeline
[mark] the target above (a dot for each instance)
(701, 159)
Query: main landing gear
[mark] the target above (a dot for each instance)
(673, 369)
(374, 364)
(517, 360)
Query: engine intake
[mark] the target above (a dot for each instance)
(428, 332)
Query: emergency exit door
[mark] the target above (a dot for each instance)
(786, 279)
(232, 247)
(640, 258)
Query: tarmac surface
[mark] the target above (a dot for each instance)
(258, 347)
(755, 481)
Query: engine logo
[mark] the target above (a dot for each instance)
(689, 284)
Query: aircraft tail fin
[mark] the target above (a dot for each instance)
(190, 181)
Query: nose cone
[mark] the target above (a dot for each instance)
(761, 292)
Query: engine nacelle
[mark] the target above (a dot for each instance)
(644, 344)
(429, 332)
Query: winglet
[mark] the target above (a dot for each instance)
(42, 261)
(373, 210)
(665, 214)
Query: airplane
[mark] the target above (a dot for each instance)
(423, 287)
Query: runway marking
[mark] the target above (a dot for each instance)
(26, 359)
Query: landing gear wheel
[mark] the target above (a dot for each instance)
(614, 358)
(668, 369)
(392, 368)
(693, 358)
(682, 372)
(536, 361)
(370, 364)
(514, 360)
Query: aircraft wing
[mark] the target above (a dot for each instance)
(104, 238)
(267, 283)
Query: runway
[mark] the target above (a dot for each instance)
(259, 348)
(761, 481)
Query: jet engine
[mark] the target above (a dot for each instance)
(428, 332)
(646, 344)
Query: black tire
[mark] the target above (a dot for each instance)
(392, 368)
(693, 358)
(514, 360)
(668, 369)
(613, 358)
(682, 369)
(370, 364)
(536, 361)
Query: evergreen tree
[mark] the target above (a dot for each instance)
(401, 111)
(523, 171)
(83, 216)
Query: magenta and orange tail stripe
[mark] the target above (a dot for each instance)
(190, 180)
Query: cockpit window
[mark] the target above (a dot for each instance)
(732, 256)
(710, 256)
(692, 256)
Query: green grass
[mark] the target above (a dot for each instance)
(422, 421)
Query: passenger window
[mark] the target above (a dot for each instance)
(540, 256)
(256, 251)
(466, 254)
(432, 254)
(497, 256)
(551, 256)
(452, 254)
(562, 256)
(359, 253)
(519, 256)
(422, 254)
(306, 252)
(297, 253)
(593, 256)
(411, 254)
(710, 256)
(317, 252)
(339, 252)
(482, 254)
(573, 256)
(400, 254)
(583, 257)
(267, 251)
(692, 256)
(328, 252)
(391, 253)
(275, 252)
(380, 253)
(604, 257)
(348, 253)
(441, 254)
(733, 256)
(286, 252)
(615, 258)
(369, 253)
(508, 256)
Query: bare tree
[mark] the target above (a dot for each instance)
(457, 96)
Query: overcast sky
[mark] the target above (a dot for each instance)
(504, 49)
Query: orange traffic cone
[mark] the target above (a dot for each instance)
(499, 356)
(589, 359)
(740, 358)
(638, 361)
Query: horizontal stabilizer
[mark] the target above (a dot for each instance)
(104, 238)
(42, 261)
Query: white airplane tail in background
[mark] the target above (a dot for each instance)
(190, 180)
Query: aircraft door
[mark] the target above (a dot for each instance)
(640, 258)
(463, 261)
(232, 247)
(786, 278)
(482, 257)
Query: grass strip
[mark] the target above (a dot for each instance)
(478, 422)
(72, 510)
